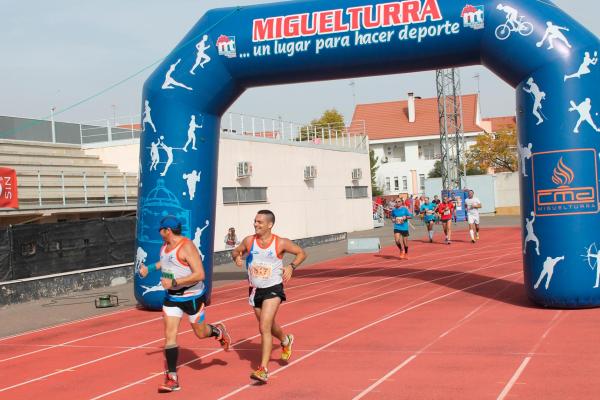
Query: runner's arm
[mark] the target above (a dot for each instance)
(238, 252)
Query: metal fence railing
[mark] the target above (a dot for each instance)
(43, 189)
(337, 135)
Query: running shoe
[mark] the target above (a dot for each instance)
(286, 351)
(261, 375)
(472, 240)
(224, 338)
(402, 256)
(171, 384)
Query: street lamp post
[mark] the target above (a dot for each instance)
(52, 124)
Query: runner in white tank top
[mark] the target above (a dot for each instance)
(173, 267)
(182, 275)
(264, 265)
(473, 205)
(266, 274)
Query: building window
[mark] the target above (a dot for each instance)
(404, 183)
(357, 192)
(422, 183)
(427, 151)
(237, 195)
(387, 184)
(399, 152)
(396, 183)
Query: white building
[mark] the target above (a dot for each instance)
(315, 188)
(405, 136)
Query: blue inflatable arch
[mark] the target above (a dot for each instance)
(547, 56)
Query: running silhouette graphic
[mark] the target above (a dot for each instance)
(530, 236)
(524, 154)
(548, 271)
(513, 23)
(147, 117)
(192, 133)
(554, 32)
(201, 57)
(538, 96)
(585, 114)
(154, 156)
(584, 68)
(198, 236)
(191, 180)
(169, 82)
(169, 151)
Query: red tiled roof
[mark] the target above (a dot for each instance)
(499, 123)
(390, 120)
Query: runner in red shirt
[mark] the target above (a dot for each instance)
(445, 210)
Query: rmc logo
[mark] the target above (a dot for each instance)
(565, 182)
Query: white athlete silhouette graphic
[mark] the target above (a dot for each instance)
(538, 96)
(198, 235)
(169, 82)
(584, 68)
(169, 151)
(191, 179)
(154, 155)
(524, 154)
(147, 117)
(201, 57)
(593, 252)
(548, 270)
(156, 288)
(513, 23)
(192, 133)
(585, 114)
(530, 236)
(140, 258)
(554, 32)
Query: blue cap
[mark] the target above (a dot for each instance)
(170, 222)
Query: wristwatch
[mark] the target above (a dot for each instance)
(173, 282)
(294, 266)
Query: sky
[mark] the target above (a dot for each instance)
(58, 53)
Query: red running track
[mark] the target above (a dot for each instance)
(452, 322)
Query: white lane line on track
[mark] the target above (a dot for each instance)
(367, 327)
(218, 292)
(421, 351)
(509, 385)
(251, 313)
(50, 347)
(304, 319)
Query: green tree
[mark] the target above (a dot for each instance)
(331, 121)
(494, 150)
(376, 190)
(436, 172)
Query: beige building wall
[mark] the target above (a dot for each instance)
(302, 208)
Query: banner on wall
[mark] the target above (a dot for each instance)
(8, 188)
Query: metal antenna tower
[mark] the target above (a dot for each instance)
(452, 138)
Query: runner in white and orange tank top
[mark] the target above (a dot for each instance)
(182, 276)
(266, 274)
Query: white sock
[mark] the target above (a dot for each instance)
(430, 234)
(472, 234)
(285, 341)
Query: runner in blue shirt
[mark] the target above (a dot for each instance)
(400, 216)
(428, 212)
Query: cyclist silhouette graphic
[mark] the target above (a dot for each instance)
(513, 24)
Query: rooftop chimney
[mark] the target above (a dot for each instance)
(411, 107)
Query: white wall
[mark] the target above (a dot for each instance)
(302, 208)
(124, 154)
(507, 191)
